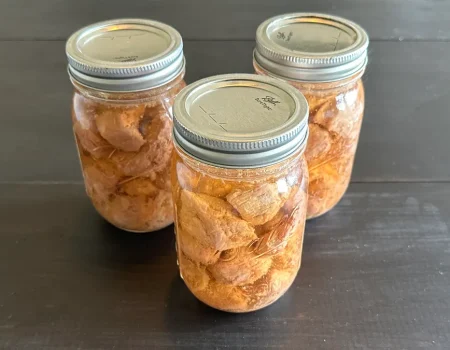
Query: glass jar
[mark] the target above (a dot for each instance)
(324, 57)
(239, 182)
(126, 74)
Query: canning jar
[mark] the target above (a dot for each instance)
(126, 74)
(239, 181)
(324, 57)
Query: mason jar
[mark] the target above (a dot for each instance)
(126, 74)
(324, 57)
(239, 182)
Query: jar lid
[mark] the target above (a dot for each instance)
(125, 55)
(311, 47)
(240, 120)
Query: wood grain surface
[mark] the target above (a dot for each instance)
(375, 275)
(404, 135)
(376, 269)
(232, 19)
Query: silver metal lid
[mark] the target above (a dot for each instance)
(240, 120)
(125, 54)
(311, 47)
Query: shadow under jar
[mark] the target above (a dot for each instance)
(239, 182)
(324, 57)
(126, 74)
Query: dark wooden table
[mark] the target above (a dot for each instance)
(376, 270)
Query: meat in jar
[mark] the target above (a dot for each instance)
(239, 180)
(126, 74)
(324, 57)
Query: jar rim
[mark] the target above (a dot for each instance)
(127, 85)
(128, 54)
(240, 120)
(235, 172)
(336, 82)
(317, 48)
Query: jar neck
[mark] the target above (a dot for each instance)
(243, 174)
(308, 85)
(137, 96)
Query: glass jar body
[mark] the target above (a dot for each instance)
(239, 231)
(124, 144)
(335, 116)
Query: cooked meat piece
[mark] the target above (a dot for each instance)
(138, 186)
(269, 288)
(224, 297)
(213, 222)
(195, 250)
(140, 213)
(319, 142)
(213, 187)
(259, 205)
(85, 130)
(240, 266)
(119, 125)
(339, 115)
(276, 241)
(100, 175)
(290, 257)
(269, 226)
(154, 156)
(194, 275)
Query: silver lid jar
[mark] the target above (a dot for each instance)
(240, 120)
(125, 55)
(311, 47)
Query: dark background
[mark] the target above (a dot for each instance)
(376, 270)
